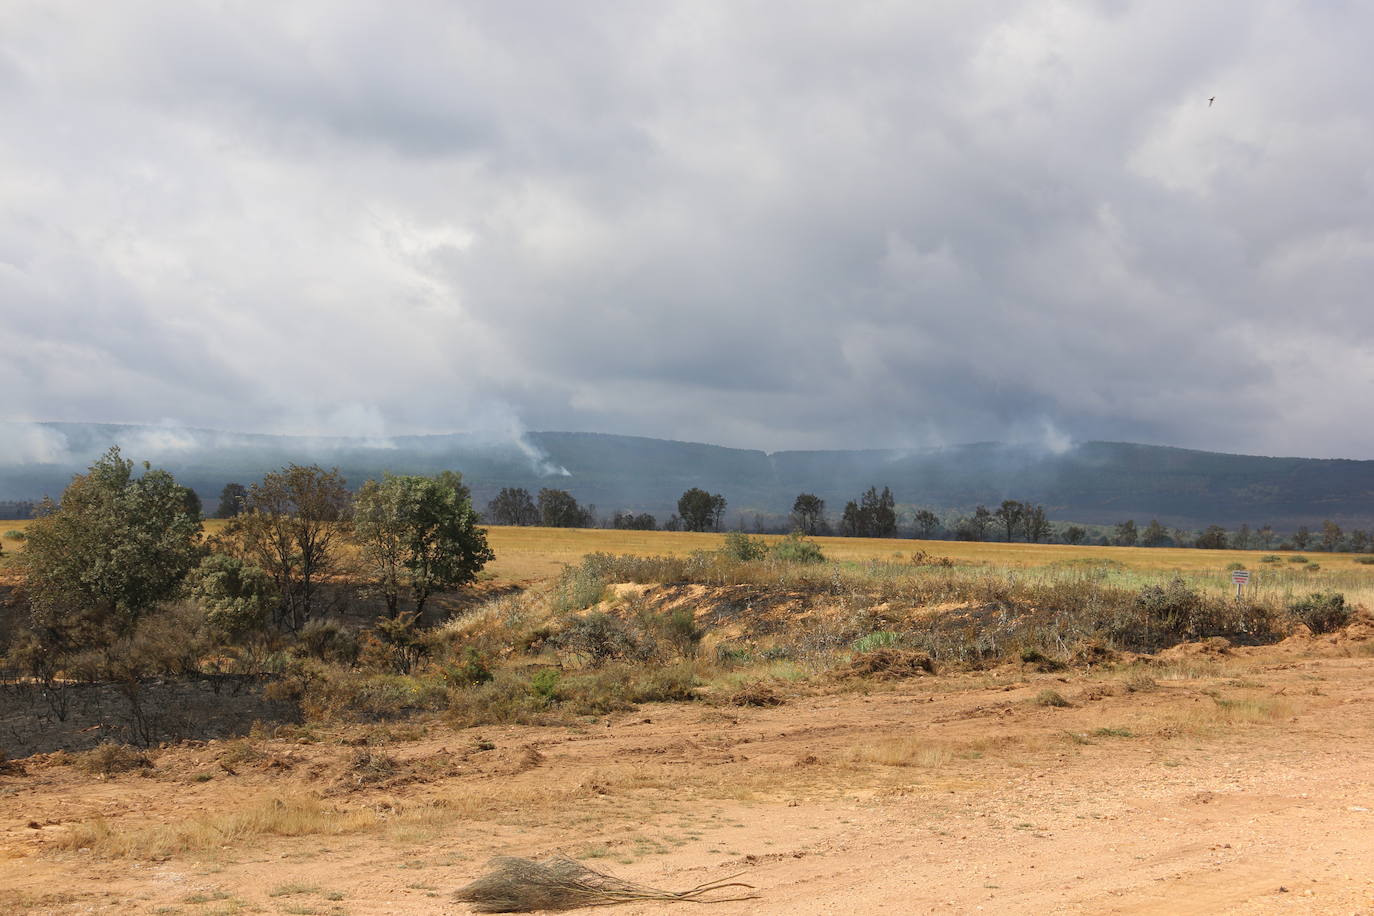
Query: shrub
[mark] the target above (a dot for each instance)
(1297, 558)
(1232, 567)
(14, 534)
(880, 640)
(471, 670)
(1312, 567)
(544, 683)
(329, 641)
(797, 549)
(599, 638)
(1171, 607)
(110, 758)
(1271, 558)
(740, 546)
(1365, 561)
(1050, 698)
(1322, 612)
(236, 595)
(678, 629)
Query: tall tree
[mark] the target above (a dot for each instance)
(1302, 537)
(881, 512)
(926, 523)
(1242, 538)
(233, 499)
(974, 527)
(1266, 536)
(418, 535)
(1035, 523)
(1075, 534)
(295, 521)
(559, 509)
(1213, 538)
(1331, 536)
(808, 510)
(512, 506)
(1126, 534)
(701, 511)
(1154, 535)
(1011, 514)
(115, 547)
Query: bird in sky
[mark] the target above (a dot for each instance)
(1210, 101)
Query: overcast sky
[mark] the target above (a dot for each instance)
(774, 225)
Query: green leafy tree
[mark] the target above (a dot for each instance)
(974, 527)
(233, 499)
(418, 535)
(1036, 523)
(700, 511)
(1011, 514)
(1212, 538)
(1331, 536)
(1266, 536)
(113, 549)
(296, 520)
(808, 513)
(559, 509)
(1126, 534)
(927, 523)
(512, 506)
(1075, 534)
(1155, 534)
(237, 596)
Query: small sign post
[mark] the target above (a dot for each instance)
(1241, 577)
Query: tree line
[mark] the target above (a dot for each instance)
(875, 514)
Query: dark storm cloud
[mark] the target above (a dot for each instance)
(757, 224)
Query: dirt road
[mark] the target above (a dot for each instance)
(1241, 782)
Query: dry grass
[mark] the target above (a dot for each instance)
(904, 752)
(280, 816)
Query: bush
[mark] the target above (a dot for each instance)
(797, 549)
(740, 546)
(1051, 698)
(1312, 567)
(1271, 558)
(882, 639)
(1365, 561)
(1232, 567)
(1322, 612)
(1171, 608)
(14, 534)
(599, 638)
(470, 671)
(110, 758)
(1297, 558)
(236, 595)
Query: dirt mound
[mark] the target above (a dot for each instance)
(888, 664)
(1204, 648)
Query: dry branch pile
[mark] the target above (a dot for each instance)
(516, 885)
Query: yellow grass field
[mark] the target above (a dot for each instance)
(525, 555)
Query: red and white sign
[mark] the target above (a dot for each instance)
(1240, 576)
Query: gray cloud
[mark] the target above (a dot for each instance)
(746, 223)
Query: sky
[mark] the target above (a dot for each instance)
(761, 224)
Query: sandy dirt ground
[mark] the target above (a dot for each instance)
(1242, 782)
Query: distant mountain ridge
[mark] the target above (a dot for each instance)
(1092, 482)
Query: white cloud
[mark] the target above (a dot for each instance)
(760, 225)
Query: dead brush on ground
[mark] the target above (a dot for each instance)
(887, 663)
(516, 885)
(756, 694)
(110, 759)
